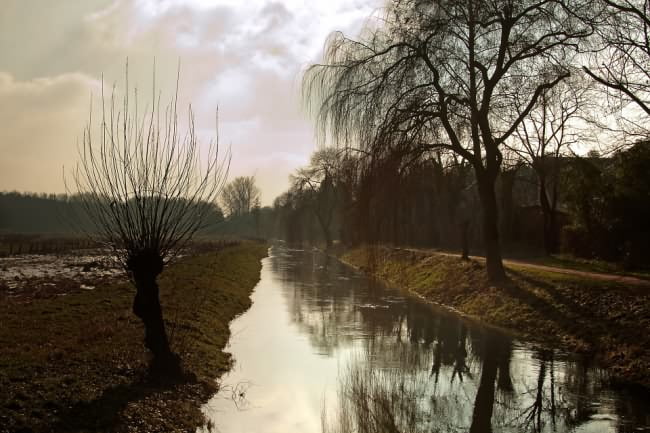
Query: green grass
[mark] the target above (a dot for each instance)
(603, 318)
(77, 362)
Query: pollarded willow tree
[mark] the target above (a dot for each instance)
(444, 74)
(148, 189)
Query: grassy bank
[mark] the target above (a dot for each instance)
(606, 319)
(77, 362)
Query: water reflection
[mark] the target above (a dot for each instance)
(405, 366)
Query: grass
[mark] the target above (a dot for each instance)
(77, 362)
(380, 401)
(606, 319)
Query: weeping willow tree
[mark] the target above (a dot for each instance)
(622, 65)
(148, 188)
(443, 75)
(317, 183)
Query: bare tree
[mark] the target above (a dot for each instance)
(318, 180)
(148, 191)
(546, 135)
(443, 75)
(241, 196)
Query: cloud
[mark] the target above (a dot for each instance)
(42, 119)
(244, 57)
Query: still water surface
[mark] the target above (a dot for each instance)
(325, 349)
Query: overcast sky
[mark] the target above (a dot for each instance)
(245, 57)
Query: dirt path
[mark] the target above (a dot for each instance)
(621, 279)
(599, 314)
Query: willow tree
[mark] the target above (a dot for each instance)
(443, 74)
(148, 188)
(318, 180)
(622, 66)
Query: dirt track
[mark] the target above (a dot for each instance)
(621, 279)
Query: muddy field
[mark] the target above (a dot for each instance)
(71, 351)
(31, 276)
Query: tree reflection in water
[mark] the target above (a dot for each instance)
(421, 369)
(375, 396)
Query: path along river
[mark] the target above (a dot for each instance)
(325, 349)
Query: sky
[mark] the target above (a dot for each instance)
(244, 57)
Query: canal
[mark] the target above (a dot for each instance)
(325, 349)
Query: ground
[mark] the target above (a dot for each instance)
(32, 276)
(607, 317)
(72, 357)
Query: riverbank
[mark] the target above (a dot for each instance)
(76, 362)
(606, 319)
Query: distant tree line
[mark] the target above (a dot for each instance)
(42, 213)
(60, 214)
(64, 214)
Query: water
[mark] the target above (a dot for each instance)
(325, 349)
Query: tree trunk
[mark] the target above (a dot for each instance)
(146, 305)
(490, 218)
(507, 204)
(328, 239)
(326, 230)
(464, 239)
(548, 214)
(504, 382)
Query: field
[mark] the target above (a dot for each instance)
(71, 351)
(19, 243)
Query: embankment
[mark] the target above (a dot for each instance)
(76, 362)
(606, 319)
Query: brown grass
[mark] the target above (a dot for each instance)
(77, 363)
